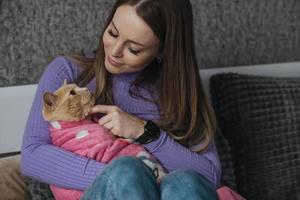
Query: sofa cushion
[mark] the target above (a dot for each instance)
(13, 185)
(260, 117)
(224, 151)
(39, 191)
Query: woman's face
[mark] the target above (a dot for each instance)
(129, 43)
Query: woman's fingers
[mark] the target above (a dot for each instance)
(119, 123)
(108, 125)
(103, 120)
(108, 122)
(104, 109)
(111, 120)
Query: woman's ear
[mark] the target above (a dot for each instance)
(50, 100)
(159, 59)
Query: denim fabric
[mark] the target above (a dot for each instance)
(130, 178)
(186, 184)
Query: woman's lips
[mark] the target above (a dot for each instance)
(112, 62)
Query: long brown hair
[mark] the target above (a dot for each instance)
(185, 112)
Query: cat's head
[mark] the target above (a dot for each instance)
(67, 103)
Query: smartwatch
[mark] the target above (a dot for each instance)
(151, 133)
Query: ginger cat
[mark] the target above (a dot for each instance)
(68, 103)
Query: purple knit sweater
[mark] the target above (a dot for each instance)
(45, 162)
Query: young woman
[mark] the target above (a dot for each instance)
(146, 80)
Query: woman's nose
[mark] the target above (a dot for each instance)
(116, 49)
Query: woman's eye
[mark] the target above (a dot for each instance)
(72, 92)
(112, 34)
(135, 52)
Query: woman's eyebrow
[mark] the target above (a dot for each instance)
(131, 41)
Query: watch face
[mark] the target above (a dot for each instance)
(152, 128)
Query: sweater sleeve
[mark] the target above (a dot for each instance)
(174, 156)
(39, 158)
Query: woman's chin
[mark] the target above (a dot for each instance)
(113, 71)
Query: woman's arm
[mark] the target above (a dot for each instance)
(174, 156)
(39, 158)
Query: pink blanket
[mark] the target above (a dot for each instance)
(225, 193)
(88, 139)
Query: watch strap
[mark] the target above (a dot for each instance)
(151, 133)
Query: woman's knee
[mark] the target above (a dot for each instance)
(124, 178)
(187, 183)
(126, 168)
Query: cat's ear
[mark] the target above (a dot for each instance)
(50, 100)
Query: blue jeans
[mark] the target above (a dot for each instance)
(129, 178)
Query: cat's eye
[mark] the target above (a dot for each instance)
(72, 92)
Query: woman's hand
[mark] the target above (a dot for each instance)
(119, 122)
